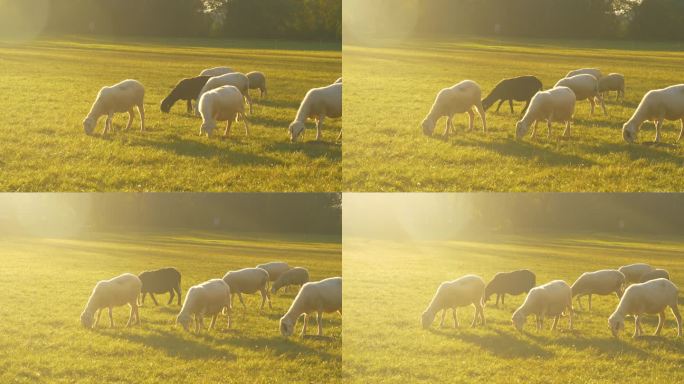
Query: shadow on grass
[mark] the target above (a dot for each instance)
(499, 343)
(311, 149)
(528, 150)
(280, 104)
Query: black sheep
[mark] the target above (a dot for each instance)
(512, 283)
(161, 281)
(186, 89)
(518, 88)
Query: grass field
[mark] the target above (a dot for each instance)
(48, 86)
(390, 88)
(389, 284)
(47, 282)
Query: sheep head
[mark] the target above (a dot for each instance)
(518, 320)
(629, 132)
(207, 127)
(166, 105)
(520, 129)
(426, 319)
(295, 129)
(286, 327)
(89, 125)
(616, 324)
(87, 319)
(185, 321)
(428, 126)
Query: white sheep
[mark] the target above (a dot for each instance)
(586, 71)
(654, 274)
(207, 299)
(249, 280)
(274, 269)
(461, 292)
(119, 98)
(657, 105)
(216, 71)
(613, 82)
(556, 104)
(633, 272)
(584, 86)
(318, 103)
(257, 80)
(295, 276)
(550, 299)
(236, 79)
(116, 292)
(650, 297)
(320, 296)
(221, 104)
(461, 98)
(603, 282)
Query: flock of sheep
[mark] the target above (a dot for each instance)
(648, 291)
(214, 297)
(219, 94)
(556, 104)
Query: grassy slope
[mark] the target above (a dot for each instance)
(386, 344)
(390, 90)
(48, 86)
(46, 283)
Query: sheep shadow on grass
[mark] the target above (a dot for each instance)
(529, 150)
(500, 343)
(311, 149)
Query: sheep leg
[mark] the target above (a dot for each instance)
(141, 111)
(441, 323)
(447, 128)
(499, 106)
(339, 137)
(590, 302)
(244, 121)
(199, 323)
(678, 317)
(99, 313)
(483, 117)
(571, 313)
(172, 294)
(503, 300)
(661, 321)
(319, 126)
(659, 124)
(111, 318)
(555, 322)
(242, 301)
(510, 103)
(319, 320)
(154, 299)
(108, 124)
(593, 105)
(226, 132)
(534, 129)
(527, 104)
(143, 298)
(456, 324)
(497, 300)
(179, 292)
(636, 326)
(249, 102)
(681, 132)
(131, 114)
(265, 298)
(566, 132)
(189, 106)
(213, 322)
(306, 319)
(579, 302)
(548, 125)
(471, 120)
(603, 104)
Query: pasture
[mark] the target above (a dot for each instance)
(47, 282)
(391, 86)
(48, 86)
(389, 284)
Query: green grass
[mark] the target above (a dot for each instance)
(47, 87)
(389, 284)
(47, 281)
(391, 86)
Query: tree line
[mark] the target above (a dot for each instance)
(282, 19)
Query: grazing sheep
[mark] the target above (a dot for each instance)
(521, 88)
(274, 269)
(613, 82)
(236, 79)
(557, 104)
(654, 274)
(295, 276)
(586, 71)
(207, 299)
(603, 282)
(320, 296)
(118, 98)
(216, 71)
(512, 283)
(461, 98)
(584, 86)
(249, 280)
(186, 89)
(657, 105)
(338, 81)
(257, 80)
(161, 281)
(650, 297)
(633, 272)
(461, 292)
(318, 104)
(116, 292)
(550, 299)
(221, 104)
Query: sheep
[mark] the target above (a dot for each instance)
(320, 296)
(161, 281)
(461, 98)
(550, 299)
(118, 98)
(221, 104)
(612, 82)
(461, 292)
(318, 103)
(119, 291)
(557, 104)
(584, 86)
(338, 81)
(586, 71)
(650, 297)
(236, 79)
(257, 80)
(513, 283)
(274, 269)
(521, 88)
(216, 71)
(657, 105)
(209, 298)
(654, 274)
(295, 276)
(186, 89)
(603, 282)
(249, 280)
(633, 272)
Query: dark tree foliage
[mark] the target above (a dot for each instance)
(658, 20)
